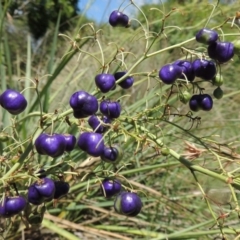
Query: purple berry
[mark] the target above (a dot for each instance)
(204, 69)
(34, 196)
(14, 102)
(128, 203)
(51, 145)
(169, 73)
(187, 69)
(221, 51)
(110, 109)
(61, 189)
(206, 102)
(105, 82)
(94, 122)
(207, 36)
(92, 143)
(83, 104)
(45, 188)
(11, 206)
(126, 83)
(110, 187)
(111, 155)
(70, 142)
(194, 103)
(118, 18)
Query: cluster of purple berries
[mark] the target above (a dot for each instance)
(126, 203)
(219, 52)
(43, 190)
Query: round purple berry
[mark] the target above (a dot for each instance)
(61, 189)
(128, 203)
(92, 143)
(70, 141)
(110, 109)
(206, 102)
(111, 154)
(110, 187)
(207, 36)
(204, 69)
(96, 125)
(105, 82)
(13, 101)
(221, 51)
(83, 104)
(51, 145)
(34, 196)
(118, 18)
(127, 82)
(187, 69)
(169, 73)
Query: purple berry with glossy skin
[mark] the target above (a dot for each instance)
(13, 101)
(83, 104)
(46, 188)
(128, 203)
(92, 143)
(207, 36)
(126, 83)
(111, 154)
(110, 187)
(51, 145)
(206, 102)
(34, 196)
(61, 189)
(118, 18)
(187, 69)
(105, 82)
(194, 103)
(96, 125)
(11, 206)
(169, 73)
(221, 51)
(110, 109)
(204, 69)
(70, 142)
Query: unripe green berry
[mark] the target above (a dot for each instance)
(218, 93)
(165, 151)
(218, 80)
(185, 97)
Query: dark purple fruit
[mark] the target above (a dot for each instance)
(206, 102)
(92, 143)
(14, 102)
(110, 187)
(207, 36)
(118, 18)
(110, 109)
(169, 73)
(34, 196)
(96, 125)
(11, 206)
(111, 154)
(194, 103)
(105, 82)
(83, 104)
(46, 188)
(221, 51)
(187, 69)
(204, 69)
(61, 189)
(128, 203)
(51, 145)
(70, 142)
(127, 82)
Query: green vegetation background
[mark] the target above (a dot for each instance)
(174, 206)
